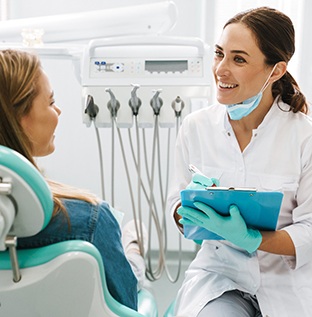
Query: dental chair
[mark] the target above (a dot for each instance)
(64, 279)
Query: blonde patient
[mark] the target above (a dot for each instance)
(29, 117)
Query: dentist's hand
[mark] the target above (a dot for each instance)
(200, 181)
(232, 228)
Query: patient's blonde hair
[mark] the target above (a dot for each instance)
(19, 73)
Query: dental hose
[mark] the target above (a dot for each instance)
(101, 162)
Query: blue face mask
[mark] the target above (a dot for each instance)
(239, 110)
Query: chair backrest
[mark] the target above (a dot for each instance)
(26, 203)
(62, 279)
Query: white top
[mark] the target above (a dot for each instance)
(278, 158)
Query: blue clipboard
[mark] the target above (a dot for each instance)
(260, 210)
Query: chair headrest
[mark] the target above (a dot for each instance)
(30, 194)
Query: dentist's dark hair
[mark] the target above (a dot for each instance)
(275, 35)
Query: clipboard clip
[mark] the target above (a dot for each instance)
(245, 189)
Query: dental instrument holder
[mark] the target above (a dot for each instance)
(91, 108)
(156, 102)
(113, 105)
(177, 106)
(135, 102)
(176, 65)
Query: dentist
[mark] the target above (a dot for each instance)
(258, 135)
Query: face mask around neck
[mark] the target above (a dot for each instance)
(239, 110)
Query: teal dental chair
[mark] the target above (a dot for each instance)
(63, 279)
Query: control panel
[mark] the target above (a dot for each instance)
(144, 68)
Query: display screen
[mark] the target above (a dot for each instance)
(166, 66)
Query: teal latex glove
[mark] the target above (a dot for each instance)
(232, 228)
(200, 181)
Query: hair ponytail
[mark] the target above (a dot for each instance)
(290, 93)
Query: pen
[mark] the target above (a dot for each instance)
(193, 169)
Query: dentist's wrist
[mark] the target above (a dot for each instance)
(177, 217)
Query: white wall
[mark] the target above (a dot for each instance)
(304, 60)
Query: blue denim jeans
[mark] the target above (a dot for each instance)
(95, 224)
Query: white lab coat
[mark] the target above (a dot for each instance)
(278, 158)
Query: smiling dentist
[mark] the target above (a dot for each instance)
(258, 135)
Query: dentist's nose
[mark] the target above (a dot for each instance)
(221, 68)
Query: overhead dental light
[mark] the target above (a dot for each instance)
(152, 18)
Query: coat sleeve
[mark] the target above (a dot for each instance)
(301, 229)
